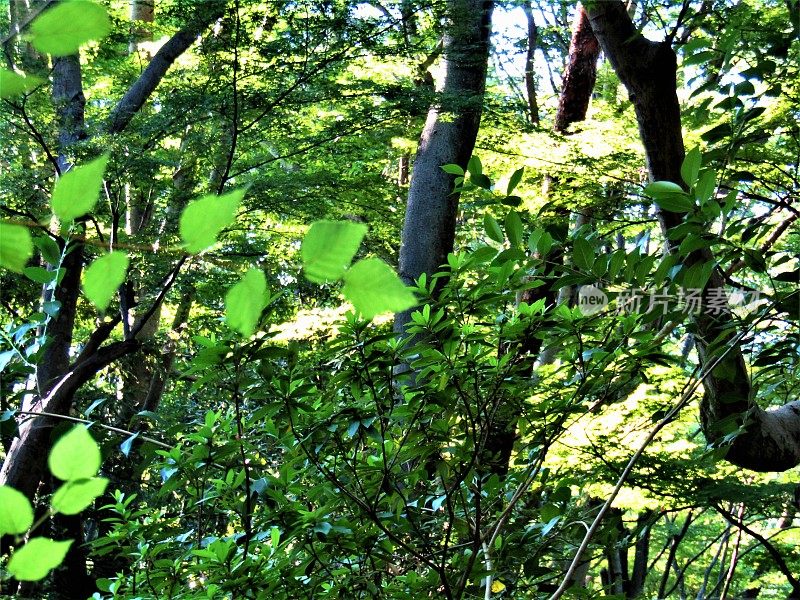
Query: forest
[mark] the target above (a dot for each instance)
(460, 299)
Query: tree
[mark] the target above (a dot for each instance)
(769, 440)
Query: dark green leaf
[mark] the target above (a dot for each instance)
(492, 228)
(583, 254)
(513, 225)
(514, 180)
(690, 168)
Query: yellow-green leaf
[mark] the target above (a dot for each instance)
(245, 301)
(16, 246)
(76, 191)
(16, 512)
(204, 218)
(329, 247)
(75, 455)
(37, 558)
(63, 29)
(72, 497)
(373, 287)
(12, 84)
(103, 277)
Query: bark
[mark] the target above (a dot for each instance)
(448, 137)
(530, 56)
(580, 74)
(158, 66)
(641, 554)
(142, 13)
(770, 440)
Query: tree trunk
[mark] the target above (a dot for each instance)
(530, 58)
(447, 138)
(771, 439)
(580, 74)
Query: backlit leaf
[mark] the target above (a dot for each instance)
(77, 190)
(74, 496)
(329, 247)
(373, 288)
(103, 277)
(12, 84)
(203, 219)
(16, 246)
(690, 168)
(75, 455)
(16, 512)
(245, 301)
(63, 29)
(35, 559)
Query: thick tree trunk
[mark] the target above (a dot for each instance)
(580, 74)
(771, 439)
(447, 138)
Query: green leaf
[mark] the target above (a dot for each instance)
(245, 301)
(373, 288)
(16, 512)
(583, 254)
(72, 497)
(514, 180)
(39, 275)
(12, 84)
(77, 190)
(514, 228)
(453, 170)
(474, 167)
(658, 189)
(75, 455)
(35, 559)
(16, 246)
(203, 219)
(103, 277)
(50, 251)
(63, 29)
(690, 168)
(329, 247)
(492, 228)
(705, 186)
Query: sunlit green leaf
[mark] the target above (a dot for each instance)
(492, 228)
(103, 277)
(16, 246)
(203, 220)
(245, 301)
(690, 168)
(76, 191)
(583, 254)
(74, 496)
(453, 170)
(513, 228)
(75, 455)
(16, 512)
(513, 182)
(37, 558)
(373, 288)
(329, 247)
(12, 84)
(63, 29)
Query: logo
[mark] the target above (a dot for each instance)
(591, 300)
